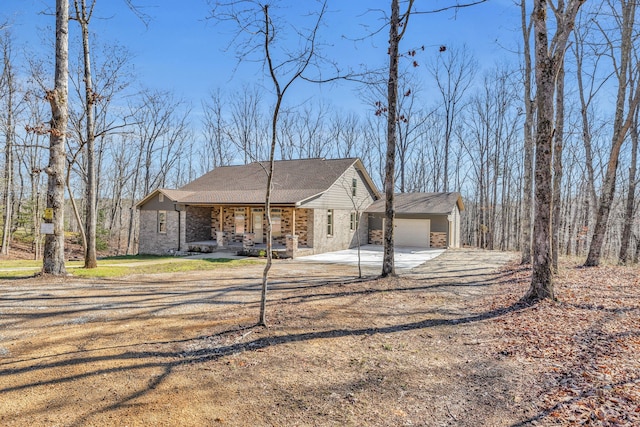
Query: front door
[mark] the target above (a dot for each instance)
(256, 219)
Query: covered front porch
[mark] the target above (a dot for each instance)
(211, 228)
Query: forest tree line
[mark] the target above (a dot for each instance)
(462, 126)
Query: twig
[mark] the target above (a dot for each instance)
(241, 337)
(449, 412)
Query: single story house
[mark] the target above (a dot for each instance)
(315, 201)
(317, 205)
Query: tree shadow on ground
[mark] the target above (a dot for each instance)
(168, 361)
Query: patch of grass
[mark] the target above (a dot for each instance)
(122, 266)
(30, 263)
(17, 274)
(136, 258)
(20, 263)
(174, 266)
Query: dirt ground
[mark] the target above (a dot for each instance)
(426, 349)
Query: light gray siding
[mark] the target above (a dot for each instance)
(338, 196)
(155, 204)
(454, 239)
(439, 223)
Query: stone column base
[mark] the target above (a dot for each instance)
(292, 245)
(220, 239)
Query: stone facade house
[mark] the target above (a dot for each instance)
(317, 205)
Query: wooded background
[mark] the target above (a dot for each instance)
(460, 127)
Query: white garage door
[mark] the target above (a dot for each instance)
(412, 232)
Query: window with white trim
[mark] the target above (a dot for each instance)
(354, 221)
(330, 222)
(162, 222)
(354, 187)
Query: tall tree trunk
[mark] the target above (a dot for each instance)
(623, 257)
(84, 16)
(590, 203)
(8, 150)
(557, 168)
(272, 149)
(529, 106)
(541, 284)
(53, 262)
(620, 128)
(36, 215)
(388, 266)
(547, 66)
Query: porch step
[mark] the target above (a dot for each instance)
(203, 247)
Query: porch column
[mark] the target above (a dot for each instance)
(293, 221)
(182, 244)
(292, 245)
(220, 239)
(220, 220)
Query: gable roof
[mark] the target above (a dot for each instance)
(420, 203)
(173, 195)
(294, 181)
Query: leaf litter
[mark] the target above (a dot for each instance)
(585, 345)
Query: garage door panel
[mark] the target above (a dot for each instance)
(412, 232)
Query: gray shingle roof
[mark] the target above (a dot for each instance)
(174, 194)
(420, 203)
(293, 181)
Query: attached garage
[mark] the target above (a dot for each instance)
(424, 220)
(412, 232)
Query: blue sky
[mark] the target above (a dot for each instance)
(182, 51)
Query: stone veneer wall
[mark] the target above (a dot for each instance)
(229, 224)
(215, 221)
(304, 217)
(152, 242)
(438, 240)
(286, 221)
(376, 237)
(198, 224)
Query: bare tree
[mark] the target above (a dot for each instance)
(398, 24)
(160, 129)
(58, 98)
(626, 71)
(630, 206)
(261, 29)
(309, 126)
(491, 125)
(397, 27)
(8, 94)
(83, 14)
(217, 148)
(549, 56)
(558, 141)
(453, 71)
(529, 110)
(245, 123)
(346, 133)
